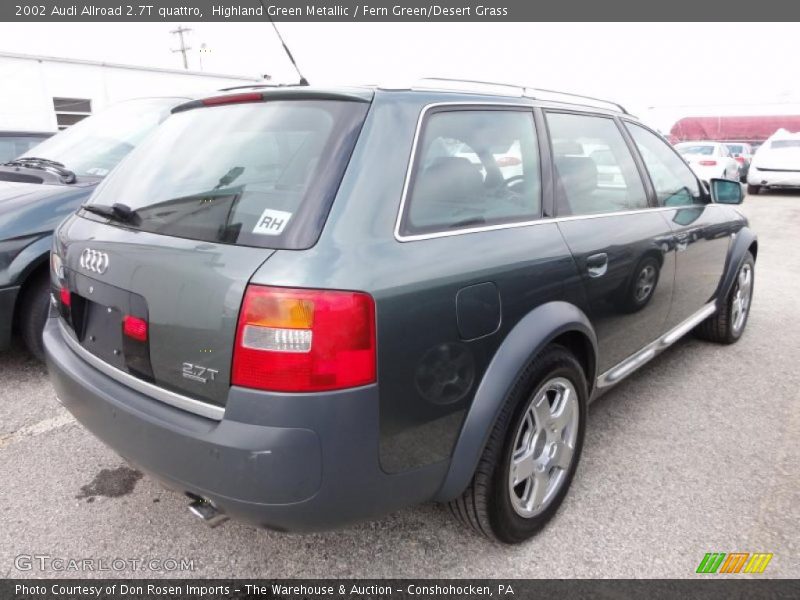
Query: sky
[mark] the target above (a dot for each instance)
(678, 68)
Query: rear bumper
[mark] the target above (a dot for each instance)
(284, 461)
(8, 300)
(773, 178)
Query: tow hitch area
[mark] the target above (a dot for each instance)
(206, 511)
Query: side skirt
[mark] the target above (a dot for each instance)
(620, 371)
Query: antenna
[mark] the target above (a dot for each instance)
(303, 80)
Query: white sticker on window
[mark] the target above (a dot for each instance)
(272, 222)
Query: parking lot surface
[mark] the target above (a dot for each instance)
(697, 452)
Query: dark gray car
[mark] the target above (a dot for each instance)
(45, 184)
(303, 307)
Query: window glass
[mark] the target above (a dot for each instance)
(673, 180)
(257, 174)
(474, 168)
(703, 149)
(595, 172)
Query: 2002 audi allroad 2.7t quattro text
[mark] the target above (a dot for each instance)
(303, 307)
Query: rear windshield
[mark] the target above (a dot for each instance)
(784, 144)
(705, 150)
(260, 174)
(735, 148)
(95, 145)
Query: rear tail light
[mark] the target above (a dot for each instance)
(707, 163)
(294, 340)
(134, 328)
(65, 296)
(739, 159)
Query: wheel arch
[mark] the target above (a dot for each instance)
(31, 263)
(553, 322)
(745, 241)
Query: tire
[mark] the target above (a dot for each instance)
(35, 305)
(486, 505)
(727, 325)
(753, 190)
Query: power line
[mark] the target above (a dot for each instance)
(184, 48)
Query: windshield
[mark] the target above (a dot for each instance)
(736, 148)
(95, 145)
(258, 174)
(777, 144)
(695, 149)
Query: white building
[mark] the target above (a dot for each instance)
(46, 93)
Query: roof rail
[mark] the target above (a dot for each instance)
(493, 87)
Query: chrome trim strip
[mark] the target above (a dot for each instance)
(153, 391)
(543, 221)
(619, 371)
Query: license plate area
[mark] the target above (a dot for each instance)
(102, 333)
(96, 317)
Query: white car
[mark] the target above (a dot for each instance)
(776, 163)
(709, 160)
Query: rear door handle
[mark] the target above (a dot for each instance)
(597, 264)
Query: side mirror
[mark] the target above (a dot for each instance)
(725, 191)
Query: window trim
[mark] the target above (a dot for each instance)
(704, 193)
(644, 177)
(547, 179)
(438, 107)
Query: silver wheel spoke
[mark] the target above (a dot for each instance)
(563, 417)
(540, 484)
(561, 455)
(522, 467)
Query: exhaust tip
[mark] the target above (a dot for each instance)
(204, 510)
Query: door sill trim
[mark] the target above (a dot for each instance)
(621, 370)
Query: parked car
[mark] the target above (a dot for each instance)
(16, 143)
(776, 163)
(44, 185)
(271, 308)
(709, 160)
(742, 153)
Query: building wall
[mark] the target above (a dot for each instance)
(29, 85)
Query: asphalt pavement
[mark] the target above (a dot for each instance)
(697, 452)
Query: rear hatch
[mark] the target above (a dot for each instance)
(156, 266)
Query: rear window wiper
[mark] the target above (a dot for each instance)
(44, 163)
(117, 211)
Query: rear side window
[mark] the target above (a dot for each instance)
(260, 174)
(473, 168)
(673, 180)
(594, 170)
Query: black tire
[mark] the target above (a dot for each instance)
(720, 327)
(34, 307)
(753, 190)
(486, 503)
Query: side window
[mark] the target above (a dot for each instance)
(473, 168)
(674, 182)
(594, 169)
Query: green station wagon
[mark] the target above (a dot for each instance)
(302, 307)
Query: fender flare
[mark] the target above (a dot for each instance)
(741, 243)
(527, 339)
(31, 257)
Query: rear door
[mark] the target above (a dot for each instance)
(620, 246)
(156, 288)
(701, 230)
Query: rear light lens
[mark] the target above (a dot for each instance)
(134, 328)
(739, 159)
(293, 340)
(707, 163)
(65, 296)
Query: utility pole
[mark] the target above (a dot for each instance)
(184, 48)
